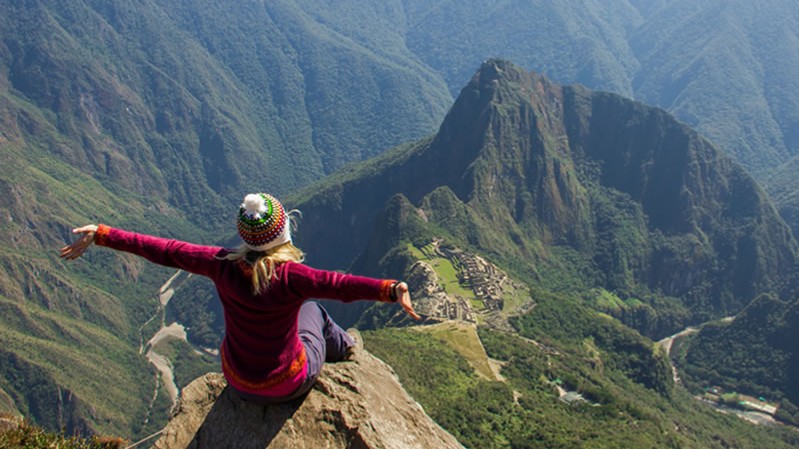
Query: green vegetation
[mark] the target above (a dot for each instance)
(70, 330)
(754, 354)
(48, 356)
(24, 435)
(464, 340)
(605, 300)
(524, 411)
(562, 321)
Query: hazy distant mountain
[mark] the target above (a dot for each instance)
(724, 67)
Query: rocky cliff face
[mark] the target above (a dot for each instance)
(357, 405)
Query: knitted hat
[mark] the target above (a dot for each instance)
(263, 222)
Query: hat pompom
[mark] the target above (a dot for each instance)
(254, 206)
(262, 222)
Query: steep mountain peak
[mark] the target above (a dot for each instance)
(494, 72)
(497, 87)
(356, 404)
(504, 145)
(528, 170)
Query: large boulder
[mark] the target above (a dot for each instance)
(358, 404)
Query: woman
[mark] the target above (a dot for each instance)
(275, 343)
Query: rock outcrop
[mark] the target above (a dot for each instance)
(357, 404)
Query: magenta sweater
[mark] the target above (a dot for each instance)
(261, 352)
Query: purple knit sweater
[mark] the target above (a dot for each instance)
(261, 352)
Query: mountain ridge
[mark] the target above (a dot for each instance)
(718, 66)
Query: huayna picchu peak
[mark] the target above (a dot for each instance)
(563, 178)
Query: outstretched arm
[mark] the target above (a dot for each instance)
(309, 282)
(197, 259)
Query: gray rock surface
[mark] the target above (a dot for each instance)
(357, 404)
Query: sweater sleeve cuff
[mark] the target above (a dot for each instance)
(101, 235)
(385, 290)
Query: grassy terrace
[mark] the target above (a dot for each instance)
(515, 296)
(464, 340)
(447, 273)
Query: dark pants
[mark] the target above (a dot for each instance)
(324, 341)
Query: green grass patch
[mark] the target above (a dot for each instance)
(447, 273)
(416, 252)
(463, 338)
(605, 300)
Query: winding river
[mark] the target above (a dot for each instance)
(165, 332)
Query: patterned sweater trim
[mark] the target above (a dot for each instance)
(273, 385)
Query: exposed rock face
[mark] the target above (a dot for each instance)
(355, 405)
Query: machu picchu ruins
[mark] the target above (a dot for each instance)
(453, 284)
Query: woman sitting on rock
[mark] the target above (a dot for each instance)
(275, 342)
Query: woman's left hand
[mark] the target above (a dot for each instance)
(404, 299)
(76, 249)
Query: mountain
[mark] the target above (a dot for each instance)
(172, 102)
(574, 189)
(723, 67)
(579, 42)
(613, 213)
(157, 117)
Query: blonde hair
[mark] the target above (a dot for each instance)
(264, 263)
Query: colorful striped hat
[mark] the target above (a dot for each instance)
(263, 222)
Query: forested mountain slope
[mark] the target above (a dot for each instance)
(158, 116)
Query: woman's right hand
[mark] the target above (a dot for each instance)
(76, 249)
(404, 299)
